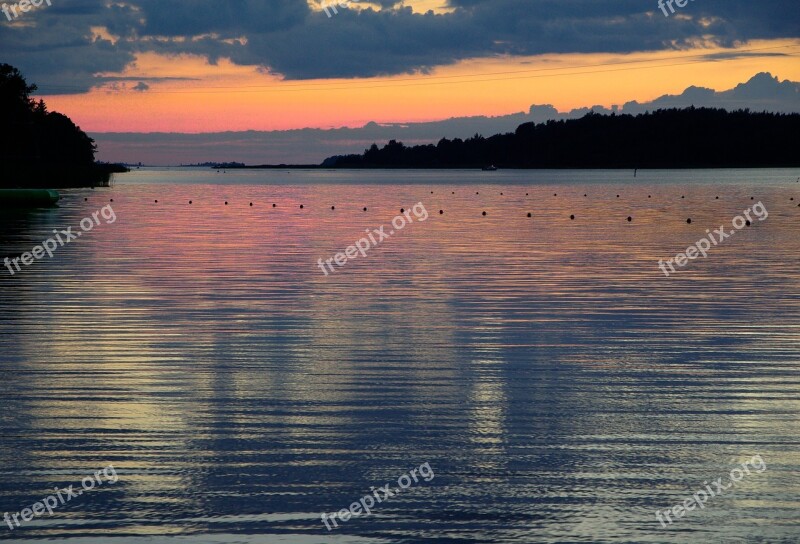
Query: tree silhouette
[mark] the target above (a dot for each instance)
(670, 138)
(40, 148)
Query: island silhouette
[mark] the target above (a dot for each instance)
(42, 149)
(665, 138)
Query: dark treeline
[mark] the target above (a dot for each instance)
(672, 138)
(40, 148)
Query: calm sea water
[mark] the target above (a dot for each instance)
(559, 385)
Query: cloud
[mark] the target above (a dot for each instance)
(311, 146)
(762, 92)
(58, 48)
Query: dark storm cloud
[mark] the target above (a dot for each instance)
(289, 38)
(229, 17)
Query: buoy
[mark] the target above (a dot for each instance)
(251, 204)
(572, 217)
(273, 205)
(226, 202)
(555, 194)
(86, 200)
(441, 212)
(630, 219)
(333, 207)
(747, 222)
(365, 209)
(689, 220)
(156, 201)
(402, 210)
(190, 202)
(484, 213)
(112, 200)
(301, 206)
(716, 198)
(529, 214)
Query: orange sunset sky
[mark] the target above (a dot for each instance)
(225, 96)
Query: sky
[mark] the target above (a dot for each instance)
(203, 66)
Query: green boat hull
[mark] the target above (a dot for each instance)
(28, 198)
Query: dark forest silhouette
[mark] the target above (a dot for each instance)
(40, 148)
(666, 138)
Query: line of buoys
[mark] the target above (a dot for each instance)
(484, 213)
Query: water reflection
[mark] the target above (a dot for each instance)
(561, 388)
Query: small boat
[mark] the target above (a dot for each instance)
(490, 168)
(28, 198)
